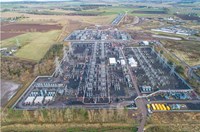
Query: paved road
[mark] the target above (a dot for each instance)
(118, 19)
(141, 105)
(192, 74)
(140, 102)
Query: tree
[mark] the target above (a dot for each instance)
(170, 62)
(179, 69)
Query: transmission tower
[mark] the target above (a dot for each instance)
(58, 70)
(17, 43)
(172, 69)
(70, 48)
(65, 54)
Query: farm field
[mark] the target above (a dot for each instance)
(12, 30)
(38, 46)
(49, 19)
(104, 11)
(9, 35)
(34, 45)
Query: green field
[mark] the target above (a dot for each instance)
(103, 11)
(107, 10)
(34, 45)
(185, 8)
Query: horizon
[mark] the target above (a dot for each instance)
(29, 0)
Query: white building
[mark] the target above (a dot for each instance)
(29, 100)
(123, 62)
(38, 100)
(112, 61)
(132, 62)
(48, 98)
(146, 43)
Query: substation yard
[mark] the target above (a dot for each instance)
(98, 35)
(152, 71)
(100, 74)
(89, 73)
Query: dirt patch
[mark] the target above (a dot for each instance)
(188, 17)
(29, 27)
(9, 35)
(8, 89)
(11, 30)
(141, 36)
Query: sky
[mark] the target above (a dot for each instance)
(29, 0)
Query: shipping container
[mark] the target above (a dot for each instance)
(168, 108)
(153, 106)
(160, 107)
(148, 106)
(164, 108)
(157, 107)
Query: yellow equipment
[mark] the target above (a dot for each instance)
(153, 106)
(160, 107)
(157, 107)
(148, 106)
(164, 108)
(168, 108)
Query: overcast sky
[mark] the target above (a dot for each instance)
(26, 0)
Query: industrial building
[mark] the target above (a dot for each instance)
(177, 30)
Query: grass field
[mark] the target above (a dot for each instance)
(68, 119)
(173, 122)
(186, 9)
(104, 11)
(76, 128)
(39, 45)
(34, 45)
(45, 19)
(188, 51)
